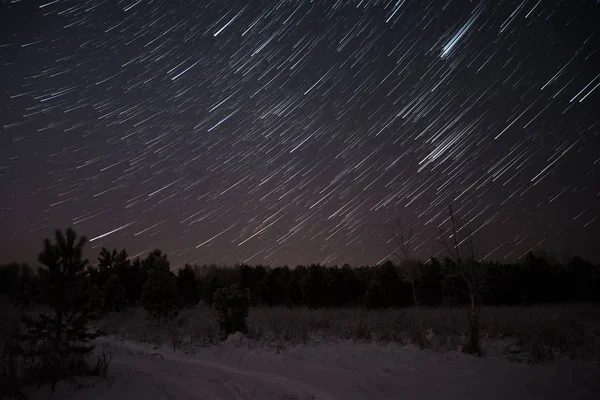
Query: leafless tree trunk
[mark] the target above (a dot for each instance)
(410, 268)
(461, 249)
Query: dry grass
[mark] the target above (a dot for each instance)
(572, 330)
(196, 326)
(541, 332)
(300, 325)
(545, 332)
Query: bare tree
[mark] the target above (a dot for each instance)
(409, 267)
(457, 240)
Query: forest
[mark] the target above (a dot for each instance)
(67, 302)
(121, 281)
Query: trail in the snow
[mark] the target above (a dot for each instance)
(327, 371)
(140, 371)
(283, 383)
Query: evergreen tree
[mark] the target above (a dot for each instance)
(210, 286)
(159, 295)
(390, 284)
(293, 293)
(114, 294)
(200, 289)
(58, 342)
(187, 286)
(313, 287)
(105, 269)
(133, 278)
(350, 286)
(271, 288)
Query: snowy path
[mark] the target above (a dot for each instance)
(187, 376)
(327, 371)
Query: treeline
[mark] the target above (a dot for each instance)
(150, 282)
(56, 343)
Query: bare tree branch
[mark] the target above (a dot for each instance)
(461, 251)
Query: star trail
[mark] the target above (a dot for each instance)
(290, 132)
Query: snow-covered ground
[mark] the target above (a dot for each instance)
(241, 369)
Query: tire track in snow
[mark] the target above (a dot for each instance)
(270, 379)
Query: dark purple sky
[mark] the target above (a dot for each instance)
(288, 132)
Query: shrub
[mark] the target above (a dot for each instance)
(232, 304)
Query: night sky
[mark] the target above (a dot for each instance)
(289, 132)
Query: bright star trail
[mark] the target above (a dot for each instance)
(288, 132)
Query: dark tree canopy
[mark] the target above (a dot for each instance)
(535, 279)
(159, 294)
(187, 286)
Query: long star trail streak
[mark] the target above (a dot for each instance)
(111, 232)
(289, 132)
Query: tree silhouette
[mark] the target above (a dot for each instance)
(159, 295)
(458, 279)
(187, 286)
(59, 340)
(293, 293)
(390, 284)
(17, 281)
(410, 268)
(465, 267)
(374, 297)
(232, 305)
(106, 266)
(271, 288)
(313, 287)
(133, 278)
(114, 294)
